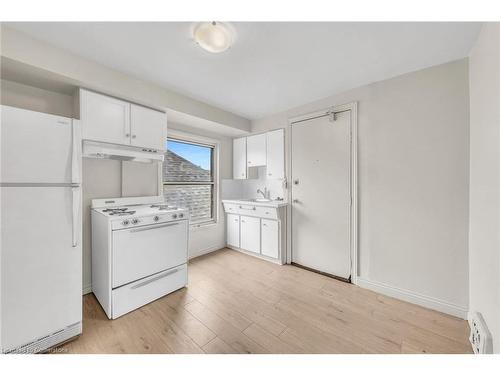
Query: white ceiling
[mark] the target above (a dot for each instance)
(272, 66)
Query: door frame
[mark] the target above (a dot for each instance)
(353, 227)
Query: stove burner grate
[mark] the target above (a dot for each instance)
(163, 207)
(123, 211)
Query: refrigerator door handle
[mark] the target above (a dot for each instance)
(76, 191)
(76, 152)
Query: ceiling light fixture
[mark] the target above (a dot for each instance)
(213, 36)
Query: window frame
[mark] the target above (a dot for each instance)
(178, 136)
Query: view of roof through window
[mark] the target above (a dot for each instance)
(188, 178)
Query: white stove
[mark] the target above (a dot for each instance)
(142, 214)
(139, 252)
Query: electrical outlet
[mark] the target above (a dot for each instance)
(480, 336)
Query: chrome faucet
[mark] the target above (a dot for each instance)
(264, 193)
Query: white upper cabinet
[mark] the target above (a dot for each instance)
(275, 147)
(266, 149)
(110, 120)
(256, 150)
(240, 158)
(148, 128)
(104, 119)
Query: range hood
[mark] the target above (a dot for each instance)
(100, 150)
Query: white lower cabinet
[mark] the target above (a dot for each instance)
(233, 230)
(250, 233)
(256, 229)
(270, 238)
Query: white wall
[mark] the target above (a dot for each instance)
(32, 98)
(413, 150)
(484, 237)
(247, 188)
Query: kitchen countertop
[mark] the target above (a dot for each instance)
(273, 203)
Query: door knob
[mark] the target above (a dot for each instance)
(295, 182)
(134, 136)
(296, 201)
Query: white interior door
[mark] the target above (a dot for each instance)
(321, 198)
(41, 269)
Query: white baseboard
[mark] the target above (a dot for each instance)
(255, 255)
(206, 251)
(413, 297)
(87, 289)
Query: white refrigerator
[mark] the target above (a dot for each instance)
(41, 240)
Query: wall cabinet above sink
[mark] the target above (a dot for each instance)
(256, 150)
(260, 150)
(111, 120)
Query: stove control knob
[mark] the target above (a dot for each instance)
(125, 222)
(174, 216)
(135, 221)
(156, 218)
(181, 216)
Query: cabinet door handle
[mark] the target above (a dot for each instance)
(127, 135)
(134, 136)
(250, 209)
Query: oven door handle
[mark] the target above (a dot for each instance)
(147, 282)
(143, 229)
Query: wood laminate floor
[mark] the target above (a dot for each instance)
(236, 303)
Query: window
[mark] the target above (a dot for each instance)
(188, 178)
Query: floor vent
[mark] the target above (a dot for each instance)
(480, 336)
(46, 342)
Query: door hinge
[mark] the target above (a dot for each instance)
(332, 116)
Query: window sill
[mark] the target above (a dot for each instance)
(205, 224)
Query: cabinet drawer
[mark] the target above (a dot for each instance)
(266, 212)
(231, 208)
(132, 296)
(251, 210)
